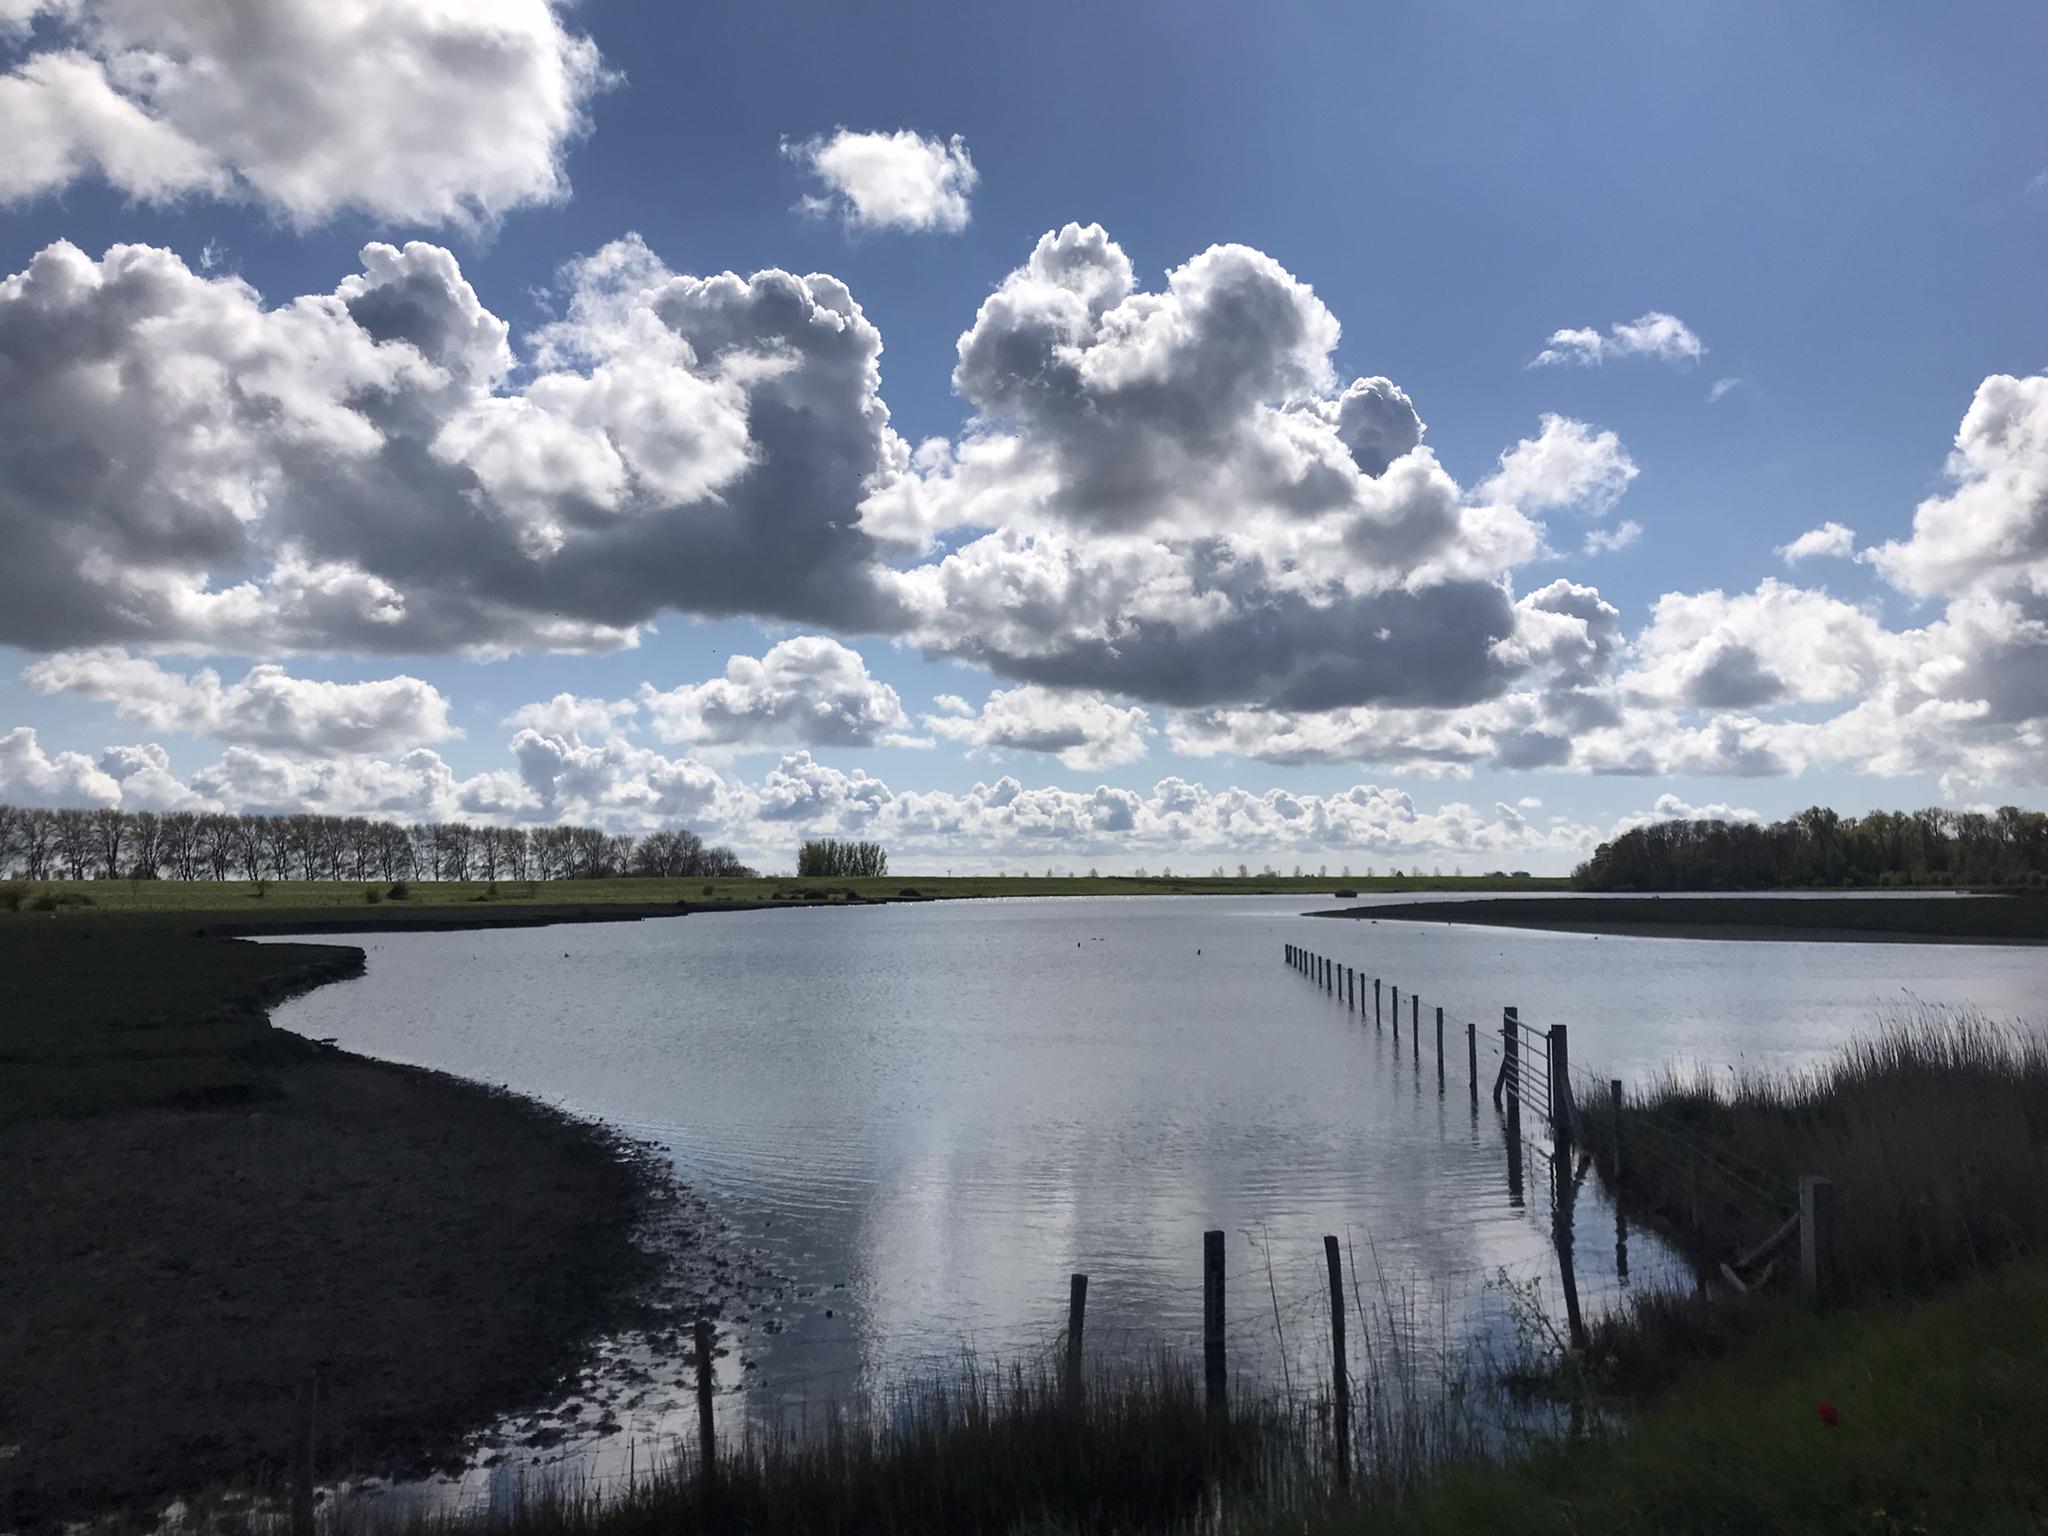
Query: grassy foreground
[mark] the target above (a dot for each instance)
(1940, 1408)
(1890, 919)
(201, 1216)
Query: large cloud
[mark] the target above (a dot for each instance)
(1990, 533)
(899, 180)
(807, 690)
(451, 112)
(181, 464)
(1165, 495)
(267, 707)
(1170, 496)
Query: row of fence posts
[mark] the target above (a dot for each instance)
(1814, 1219)
(1344, 981)
(1815, 1226)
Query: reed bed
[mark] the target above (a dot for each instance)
(986, 1450)
(1934, 1132)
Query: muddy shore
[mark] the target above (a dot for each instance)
(1803, 920)
(206, 1216)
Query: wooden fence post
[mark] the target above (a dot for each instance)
(1415, 1022)
(1340, 1365)
(1397, 1018)
(1472, 1058)
(1212, 1321)
(1560, 1055)
(1510, 1076)
(1375, 1002)
(1077, 1315)
(707, 1435)
(1439, 1053)
(1614, 1094)
(301, 1462)
(1817, 1277)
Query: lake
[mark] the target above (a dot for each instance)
(924, 1117)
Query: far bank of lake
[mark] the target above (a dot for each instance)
(1869, 917)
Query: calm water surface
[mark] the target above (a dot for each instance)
(928, 1116)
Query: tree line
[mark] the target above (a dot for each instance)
(833, 857)
(1819, 847)
(39, 844)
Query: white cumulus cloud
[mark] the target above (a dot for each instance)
(1831, 540)
(450, 112)
(899, 180)
(808, 690)
(1084, 730)
(1568, 464)
(1657, 335)
(266, 707)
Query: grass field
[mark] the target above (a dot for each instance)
(239, 898)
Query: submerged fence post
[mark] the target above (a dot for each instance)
(1340, 1372)
(707, 1436)
(1375, 1002)
(1439, 1053)
(1614, 1094)
(1397, 1018)
(1077, 1314)
(1560, 1054)
(1212, 1320)
(301, 1463)
(1817, 1277)
(1510, 1058)
(1472, 1058)
(1415, 1023)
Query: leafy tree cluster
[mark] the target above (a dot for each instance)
(41, 844)
(1819, 847)
(836, 858)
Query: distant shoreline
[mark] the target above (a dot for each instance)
(1751, 919)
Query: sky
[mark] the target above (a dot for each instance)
(1052, 437)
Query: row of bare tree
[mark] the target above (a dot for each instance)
(39, 844)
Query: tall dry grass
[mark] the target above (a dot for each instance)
(997, 1450)
(1934, 1131)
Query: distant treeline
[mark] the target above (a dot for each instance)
(39, 844)
(829, 856)
(1817, 847)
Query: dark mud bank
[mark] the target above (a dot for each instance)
(419, 1253)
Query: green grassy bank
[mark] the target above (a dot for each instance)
(1940, 1406)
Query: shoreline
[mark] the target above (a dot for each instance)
(209, 1214)
(1991, 920)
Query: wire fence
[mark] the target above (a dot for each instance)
(1694, 1183)
(1424, 1339)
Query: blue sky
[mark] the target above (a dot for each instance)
(1844, 208)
